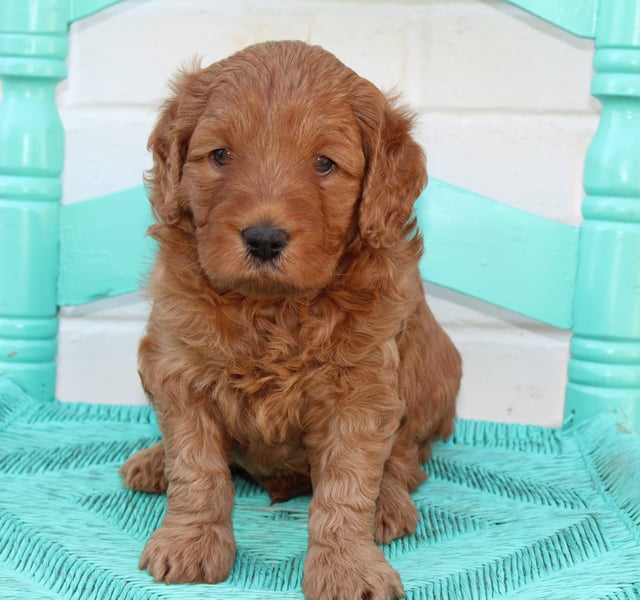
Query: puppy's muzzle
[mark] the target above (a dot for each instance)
(265, 242)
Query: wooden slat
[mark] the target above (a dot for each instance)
(474, 245)
(103, 248)
(575, 16)
(79, 9)
(497, 253)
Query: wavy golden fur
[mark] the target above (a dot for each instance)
(289, 335)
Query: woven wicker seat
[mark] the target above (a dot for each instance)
(514, 511)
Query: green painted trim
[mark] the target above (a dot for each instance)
(575, 16)
(584, 401)
(103, 248)
(604, 368)
(498, 253)
(79, 9)
(506, 270)
(33, 50)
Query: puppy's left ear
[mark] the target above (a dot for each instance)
(395, 173)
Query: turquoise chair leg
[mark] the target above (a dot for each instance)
(33, 47)
(604, 369)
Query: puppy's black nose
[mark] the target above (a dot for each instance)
(265, 242)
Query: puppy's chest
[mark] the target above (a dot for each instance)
(263, 385)
(283, 344)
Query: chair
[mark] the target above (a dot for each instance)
(508, 511)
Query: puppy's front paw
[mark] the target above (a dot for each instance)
(356, 573)
(201, 552)
(144, 471)
(396, 514)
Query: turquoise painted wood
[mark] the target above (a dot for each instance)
(497, 253)
(102, 254)
(33, 225)
(33, 48)
(475, 245)
(79, 9)
(604, 369)
(575, 16)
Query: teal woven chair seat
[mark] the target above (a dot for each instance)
(508, 511)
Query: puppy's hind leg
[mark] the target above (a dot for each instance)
(396, 514)
(144, 471)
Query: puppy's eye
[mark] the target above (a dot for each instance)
(221, 156)
(324, 165)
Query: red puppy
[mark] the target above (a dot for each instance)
(289, 333)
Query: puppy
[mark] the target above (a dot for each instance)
(289, 335)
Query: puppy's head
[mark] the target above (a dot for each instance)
(275, 160)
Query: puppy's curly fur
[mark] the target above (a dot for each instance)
(289, 335)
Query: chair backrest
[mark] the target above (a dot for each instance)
(584, 279)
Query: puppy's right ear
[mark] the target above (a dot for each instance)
(395, 170)
(169, 142)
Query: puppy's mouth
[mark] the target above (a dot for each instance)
(261, 288)
(262, 272)
(264, 280)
